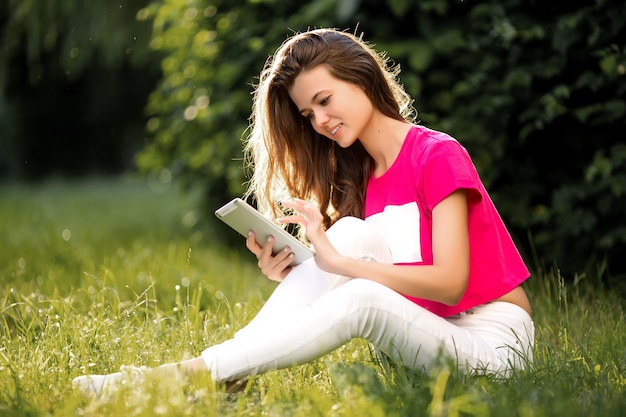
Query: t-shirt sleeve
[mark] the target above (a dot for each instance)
(447, 167)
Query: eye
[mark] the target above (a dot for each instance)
(325, 101)
(308, 116)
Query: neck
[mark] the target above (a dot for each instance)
(383, 139)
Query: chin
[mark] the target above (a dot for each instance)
(346, 144)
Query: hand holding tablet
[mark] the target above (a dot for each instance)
(242, 217)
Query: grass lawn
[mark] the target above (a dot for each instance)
(102, 273)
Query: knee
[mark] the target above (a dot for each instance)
(358, 239)
(364, 292)
(366, 305)
(350, 226)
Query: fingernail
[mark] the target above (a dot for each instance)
(269, 238)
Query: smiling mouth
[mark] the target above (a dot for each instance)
(335, 130)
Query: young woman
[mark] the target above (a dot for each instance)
(410, 252)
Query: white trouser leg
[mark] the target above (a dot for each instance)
(306, 282)
(405, 331)
(314, 325)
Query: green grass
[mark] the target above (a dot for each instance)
(98, 274)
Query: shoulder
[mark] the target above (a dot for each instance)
(425, 143)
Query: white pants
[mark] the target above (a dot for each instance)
(312, 313)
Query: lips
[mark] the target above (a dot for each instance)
(335, 130)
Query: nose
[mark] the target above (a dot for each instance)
(321, 118)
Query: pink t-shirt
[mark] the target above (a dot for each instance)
(430, 166)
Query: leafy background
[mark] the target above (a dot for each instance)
(536, 92)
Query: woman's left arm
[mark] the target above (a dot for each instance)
(444, 281)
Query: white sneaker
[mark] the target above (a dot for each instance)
(97, 384)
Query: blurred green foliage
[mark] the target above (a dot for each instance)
(74, 34)
(535, 91)
(74, 77)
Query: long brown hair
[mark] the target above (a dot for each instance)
(287, 157)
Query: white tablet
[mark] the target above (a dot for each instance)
(242, 217)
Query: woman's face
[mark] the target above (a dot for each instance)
(339, 110)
